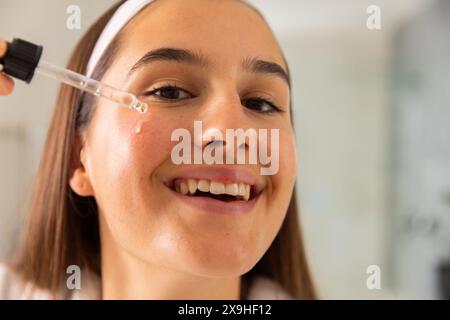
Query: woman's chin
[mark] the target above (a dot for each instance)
(221, 268)
(221, 262)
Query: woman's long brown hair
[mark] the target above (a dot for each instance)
(62, 228)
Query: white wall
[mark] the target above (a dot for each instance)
(340, 112)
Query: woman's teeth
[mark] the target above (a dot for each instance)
(241, 191)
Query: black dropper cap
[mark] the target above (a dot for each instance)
(21, 59)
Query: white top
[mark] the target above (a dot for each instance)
(13, 288)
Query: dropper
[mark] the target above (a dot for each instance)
(23, 59)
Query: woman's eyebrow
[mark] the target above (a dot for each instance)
(183, 55)
(268, 67)
(169, 54)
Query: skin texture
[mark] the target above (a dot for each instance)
(6, 82)
(154, 245)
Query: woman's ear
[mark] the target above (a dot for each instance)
(79, 179)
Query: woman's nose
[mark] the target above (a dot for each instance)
(222, 115)
(223, 111)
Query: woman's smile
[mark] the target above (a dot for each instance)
(217, 190)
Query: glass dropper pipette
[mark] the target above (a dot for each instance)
(23, 59)
(97, 88)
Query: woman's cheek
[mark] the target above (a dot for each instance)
(120, 157)
(139, 142)
(283, 182)
(150, 142)
(288, 156)
(126, 150)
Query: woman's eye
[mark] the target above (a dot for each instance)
(260, 105)
(169, 93)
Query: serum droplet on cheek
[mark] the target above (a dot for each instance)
(138, 127)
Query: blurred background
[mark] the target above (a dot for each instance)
(372, 117)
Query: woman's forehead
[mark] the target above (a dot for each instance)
(226, 31)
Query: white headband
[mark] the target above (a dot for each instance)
(120, 18)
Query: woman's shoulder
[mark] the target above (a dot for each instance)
(263, 288)
(13, 287)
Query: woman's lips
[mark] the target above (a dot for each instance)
(217, 206)
(203, 187)
(220, 190)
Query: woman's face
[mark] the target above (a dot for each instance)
(126, 156)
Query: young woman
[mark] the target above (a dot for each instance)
(108, 196)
